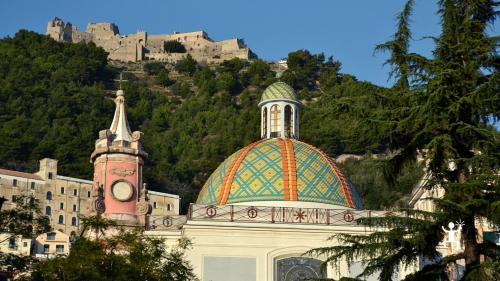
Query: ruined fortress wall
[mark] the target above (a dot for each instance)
(140, 45)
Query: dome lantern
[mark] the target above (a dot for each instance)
(279, 107)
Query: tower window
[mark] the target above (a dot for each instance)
(61, 219)
(73, 221)
(74, 207)
(88, 194)
(264, 122)
(62, 189)
(48, 211)
(49, 195)
(32, 185)
(75, 192)
(14, 182)
(288, 121)
(275, 121)
(155, 205)
(50, 175)
(61, 206)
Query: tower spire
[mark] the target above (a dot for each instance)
(120, 127)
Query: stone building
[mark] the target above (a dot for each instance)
(143, 46)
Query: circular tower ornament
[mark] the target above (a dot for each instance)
(122, 191)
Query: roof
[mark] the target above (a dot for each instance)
(279, 169)
(20, 174)
(279, 91)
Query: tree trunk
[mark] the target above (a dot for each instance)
(471, 251)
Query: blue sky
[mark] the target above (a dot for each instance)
(347, 30)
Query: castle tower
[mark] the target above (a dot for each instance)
(279, 112)
(118, 160)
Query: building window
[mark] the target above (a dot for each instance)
(48, 211)
(25, 244)
(61, 206)
(51, 236)
(154, 205)
(50, 175)
(62, 189)
(168, 207)
(74, 207)
(59, 249)
(49, 195)
(75, 192)
(14, 182)
(264, 122)
(46, 248)
(288, 121)
(88, 194)
(275, 121)
(73, 221)
(61, 219)
(32, 185)
(12, 243)
(14, 198)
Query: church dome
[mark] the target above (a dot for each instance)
(279, 91)
(279, 169)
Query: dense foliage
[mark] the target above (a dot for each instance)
(441, 107)
(26, 221)
(124, 256)
(54, 98)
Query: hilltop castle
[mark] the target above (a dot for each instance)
(142, 46)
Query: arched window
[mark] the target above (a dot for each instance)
(61, 206)
(49, 195)
(288, 121)
(275, 121)
(48, 211)
(73, 221)
(61, 219)
(264, 122)
(299, 268)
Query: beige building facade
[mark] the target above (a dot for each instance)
(143, 46)
(51, 244)
(65, 199)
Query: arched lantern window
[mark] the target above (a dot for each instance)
(288, 121)
(275, 121)
(264, 123)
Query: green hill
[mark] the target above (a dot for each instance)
(55, 97)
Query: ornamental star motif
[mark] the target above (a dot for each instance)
(300, 215)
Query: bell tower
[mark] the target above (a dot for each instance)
(118, 159)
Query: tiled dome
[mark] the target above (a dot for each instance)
(279, 91)
(279, 169)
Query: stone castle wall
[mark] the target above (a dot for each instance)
(142, 46)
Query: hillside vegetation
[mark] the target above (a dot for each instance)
(55, 97)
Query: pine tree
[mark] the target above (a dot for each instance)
(443, 111)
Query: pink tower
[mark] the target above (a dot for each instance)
(118, 160)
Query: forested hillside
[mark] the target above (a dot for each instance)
(55, 97)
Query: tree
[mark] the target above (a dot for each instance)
(163, 78)
(121, 257)
(95, 224)
(186, 65)
(26, 220)
(444, 114)
(153, 68)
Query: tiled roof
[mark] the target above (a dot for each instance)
(279, 169)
